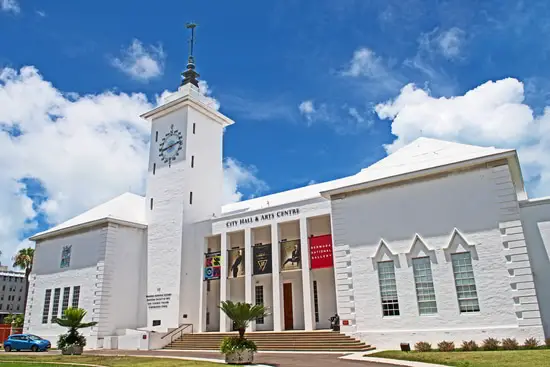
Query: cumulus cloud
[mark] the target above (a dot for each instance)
(237, 175)
(82, 149)
(450, 42)
(307, 108)
(140, 62)
(10, 6)
(492, 114)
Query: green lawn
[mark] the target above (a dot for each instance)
(512, 358)
(14, 360)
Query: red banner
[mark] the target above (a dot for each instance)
(320, 250)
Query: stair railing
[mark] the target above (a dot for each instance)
(179, 332)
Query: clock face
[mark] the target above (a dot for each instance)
(171, 145)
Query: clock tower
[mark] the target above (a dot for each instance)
(184, 186)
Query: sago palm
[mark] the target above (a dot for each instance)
(24, 260)
(242, 314)
(72, 319)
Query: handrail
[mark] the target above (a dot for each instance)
(180, 329)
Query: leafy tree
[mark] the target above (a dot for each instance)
(72, 319)
(242, 314)
(23, 260)
(19, 320)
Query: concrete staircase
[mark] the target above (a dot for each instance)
(322, 341)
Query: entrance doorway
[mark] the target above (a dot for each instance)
(287, 299)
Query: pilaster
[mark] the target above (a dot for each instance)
(515, 249)
(307, 292)
(224, 286)
(202, 295)
(248, 291)
(276, 278)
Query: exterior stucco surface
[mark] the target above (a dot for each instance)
(432, 209)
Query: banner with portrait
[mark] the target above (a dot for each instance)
(262, 259)
(212, 265)
(235, 258)
(320, 251)
(291, 258)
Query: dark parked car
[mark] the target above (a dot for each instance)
(26, 342)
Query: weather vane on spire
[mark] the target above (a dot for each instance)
(190, 75)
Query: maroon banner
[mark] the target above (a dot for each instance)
(320, 250)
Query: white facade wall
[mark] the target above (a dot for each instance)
(535, 217)
(86, 253)
(103, 263)
(470, 202)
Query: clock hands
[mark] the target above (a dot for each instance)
(171, 145)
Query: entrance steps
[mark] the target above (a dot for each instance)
(323, 341)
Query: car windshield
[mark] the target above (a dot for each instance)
(34, 337)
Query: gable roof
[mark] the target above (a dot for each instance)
(127, 208)
(421, 154)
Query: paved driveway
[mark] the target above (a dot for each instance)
(274, 359)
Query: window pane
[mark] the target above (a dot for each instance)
(465, 282)
(65, 305)
(259, 301)
(55, 309)
(425, 291)
(76, 296)
(46, 309)
(388, 288)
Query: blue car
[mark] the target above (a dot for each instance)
(26, 342)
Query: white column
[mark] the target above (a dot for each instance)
(203, 294)
(224, 286)
(306, 277)
(275, 276)
(248, 291)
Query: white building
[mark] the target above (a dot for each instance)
(437, 241)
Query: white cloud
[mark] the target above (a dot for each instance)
(492, 114)
(10, 6)
(307, 108)
(83, 149)
(41, 13)
(375, 73)
(237, 175)
(207, 92)
(141, 63)
(450, 42)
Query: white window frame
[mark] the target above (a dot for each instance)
(466, 290)
(424, 286)
(388, 289)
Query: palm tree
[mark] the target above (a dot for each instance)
(72, 319)
(23, 260)
(242, 313)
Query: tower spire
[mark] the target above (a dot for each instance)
(190, 75)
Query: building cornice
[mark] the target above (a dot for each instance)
(187, 100)
(78, 227)
(509, 155)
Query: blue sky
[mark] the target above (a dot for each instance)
(315, 88)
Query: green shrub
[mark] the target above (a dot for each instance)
(531, 343)
(446, 346)
(470, 346)
(491, 344)
(423, 347)
(232, 344)
(66, 340)
(509, 344)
